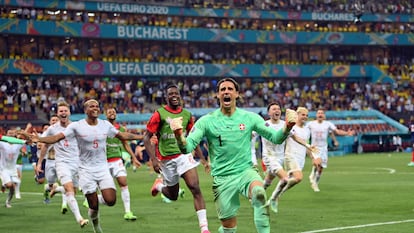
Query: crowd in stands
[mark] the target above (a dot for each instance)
(369, 128)
(378, 6)
(204, 22)
(398, 62)
(131, 95)
(393, 61)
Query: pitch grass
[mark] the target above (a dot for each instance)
(360, 193)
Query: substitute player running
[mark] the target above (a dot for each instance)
(167, 158)
(114, 148)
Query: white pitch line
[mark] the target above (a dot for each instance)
(359, 226)
(41, 194)
(368, 173)
(390, 170)
(365, 172)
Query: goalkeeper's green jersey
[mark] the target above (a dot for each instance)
(229, 139)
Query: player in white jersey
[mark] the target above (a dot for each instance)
(273, 154)
(292, 153)
(19, 167)
(48, 152)
(91, 134)
(320, 129)
(66, 162)
(8, 171)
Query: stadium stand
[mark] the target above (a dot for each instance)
(300, 53)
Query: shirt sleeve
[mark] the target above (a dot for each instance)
(154, 123)
(48, 132)
(332, 127)
(276, 137)
(70, 130)
(12, 140)
(190, 124)
(196, 134)
(112, 131)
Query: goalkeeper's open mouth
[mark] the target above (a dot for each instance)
(227, 100)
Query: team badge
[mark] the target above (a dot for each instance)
(242, 127)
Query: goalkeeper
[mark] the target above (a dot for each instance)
(229, 131)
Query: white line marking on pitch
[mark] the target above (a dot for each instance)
(41, 194)
(391, 171)
(360, 226)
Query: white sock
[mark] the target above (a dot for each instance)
(60, 189)
(313, 174)
(126, 198)
(94, 216)
(202, 219)
(290, 183)
(160, 186)
(278, 190)
(73, 205)
(64, 200)
(17, 188)
(227, 230)
(101, 200)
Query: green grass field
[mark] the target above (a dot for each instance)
(359, 193)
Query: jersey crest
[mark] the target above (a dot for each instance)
(242, 126)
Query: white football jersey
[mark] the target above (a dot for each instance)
(92, 142)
